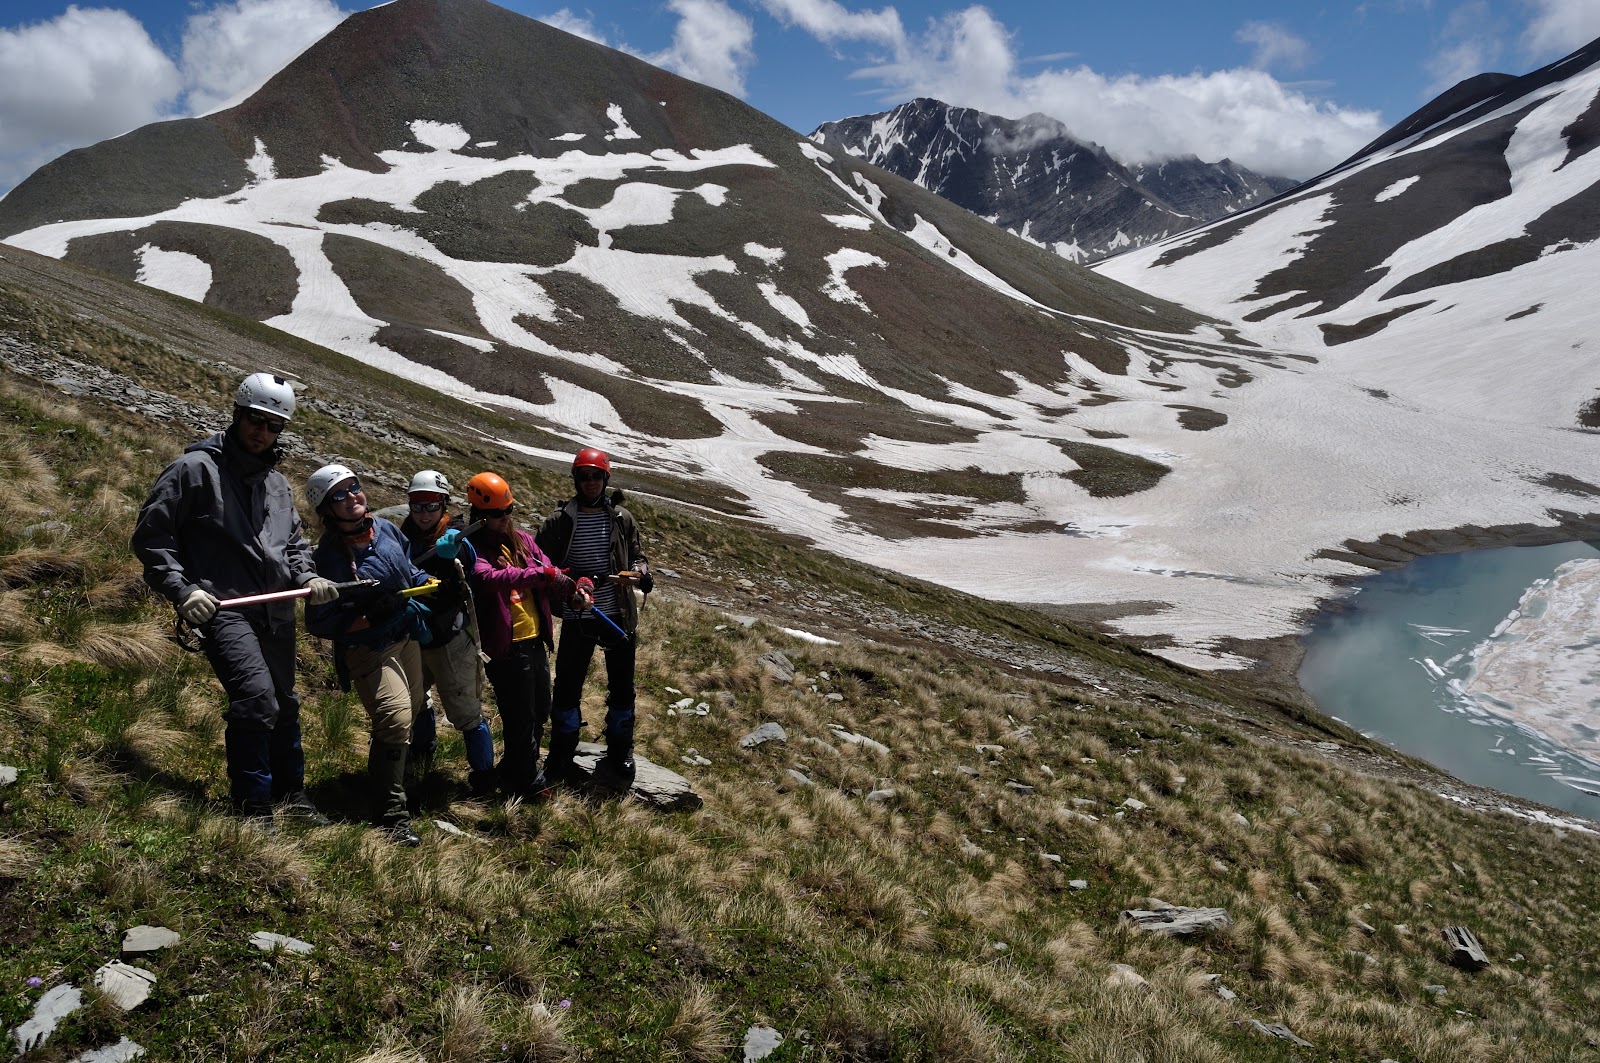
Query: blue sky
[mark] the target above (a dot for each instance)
(1283, 88)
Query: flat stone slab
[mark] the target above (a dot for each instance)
(138, 940)
(1176, 921)
(767, 732)
(8, 775)
(121, 1052)
(267, 941)
(760, 1042)
(123, 984)
(656, 786)
(1280, 1031)
(57, 1003)
(778, 666)
(853, 739)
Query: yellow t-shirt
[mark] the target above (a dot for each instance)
(524, 614)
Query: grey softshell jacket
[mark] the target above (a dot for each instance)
(221, 519)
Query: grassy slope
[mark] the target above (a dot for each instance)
(925, 927)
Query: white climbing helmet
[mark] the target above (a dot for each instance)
(430, 481)
(323, 480)
(267, 393)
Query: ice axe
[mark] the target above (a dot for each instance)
(585, 587)
(181, 629)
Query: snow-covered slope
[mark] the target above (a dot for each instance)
(1451, 266)
(503, 212)
(1031, 177)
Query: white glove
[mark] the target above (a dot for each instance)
(323, 590)
(198, 606)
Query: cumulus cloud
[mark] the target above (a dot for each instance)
(231, 50)
(89, 74)
(1276, 48)
(1559, 26)
(713, 44)
(80, 77)
(969, 58)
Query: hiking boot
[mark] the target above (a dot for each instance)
(482, 783)
(558, 767)
(615, 772)
(401, 834)
(300, 806)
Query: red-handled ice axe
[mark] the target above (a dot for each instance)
(180, 628)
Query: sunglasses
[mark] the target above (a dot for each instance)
(494, 514)
(584, 477)
(344, 492)
(426, 507)
(261, 420)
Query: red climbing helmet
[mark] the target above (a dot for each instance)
(592, 458)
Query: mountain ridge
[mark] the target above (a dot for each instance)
(1033, 178)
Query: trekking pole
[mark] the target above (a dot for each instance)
(431, 551)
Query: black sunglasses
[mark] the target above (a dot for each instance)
(584, 476)
(426, 507)
(261, 420)
(344, 493)
(493, 514)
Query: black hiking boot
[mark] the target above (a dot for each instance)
(386, 769)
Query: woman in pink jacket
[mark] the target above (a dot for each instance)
(514, 585)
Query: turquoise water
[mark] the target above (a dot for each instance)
(1364, 664)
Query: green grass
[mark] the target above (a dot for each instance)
(928, 927)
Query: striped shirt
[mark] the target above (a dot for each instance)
(590, 555)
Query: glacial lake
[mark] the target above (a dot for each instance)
(1485, 664)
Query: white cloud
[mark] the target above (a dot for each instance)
(230, 50)
(1559, 26)
(1275, 47)
(830, 21)
(713, 44)
(968, 58)
(80, 77)
(577, 25)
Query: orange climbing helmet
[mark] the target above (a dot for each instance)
(488, 491)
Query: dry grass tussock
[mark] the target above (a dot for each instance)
(17, 858)
(693, 1025)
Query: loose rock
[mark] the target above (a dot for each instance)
(1280, 1031)
(1176, 920)
(121, 1052)
(1122, 974)
(267, 941)
(656, 786)
(767, 732)
(1466, 952)
(124, 985)
(57, 1003)
(853, 739)
(138, 940)
(778, 666)
(8, 775)
(799, 777)
(1019, 787)
(879, 797)
(760, 1042)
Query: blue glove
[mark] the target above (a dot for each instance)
(449, 544)
(417, 615)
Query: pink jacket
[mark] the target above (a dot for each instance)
(493, 580)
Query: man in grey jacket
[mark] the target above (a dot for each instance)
(220, 522)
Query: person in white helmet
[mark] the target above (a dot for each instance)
(452, 663)
(220, 523)
(377, 637)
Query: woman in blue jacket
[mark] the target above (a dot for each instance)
(375, 633)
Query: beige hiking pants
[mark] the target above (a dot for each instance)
(388, 680)
(456, 668)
